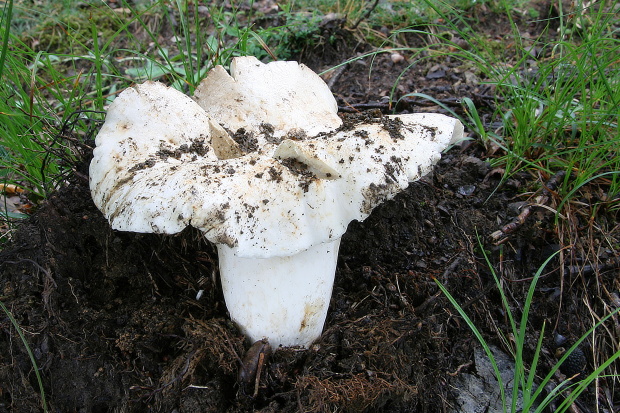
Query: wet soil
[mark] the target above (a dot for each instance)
(116, 323)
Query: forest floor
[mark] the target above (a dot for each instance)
(115, 325)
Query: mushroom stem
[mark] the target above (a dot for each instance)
(282, 299)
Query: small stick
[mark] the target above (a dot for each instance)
(259, 369)
(365, 15)
(459, 368)
(334, 78)
(551, 185)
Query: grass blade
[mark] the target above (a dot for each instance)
(29, 351)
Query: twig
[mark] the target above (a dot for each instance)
(365, 15)
(459, 368)
(387, 106)
(589, 269)
(37, 265)
(334, 78)
(501, 235)
(357, 107)
(259, 370)
(433, 297)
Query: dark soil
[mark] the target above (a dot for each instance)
(114, 323)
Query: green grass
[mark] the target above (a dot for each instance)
(559, 111)
(24, 117)
(33, 361)
(529, 384)
(60, 68)
(79, 62)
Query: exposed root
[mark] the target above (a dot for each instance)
(353, 394)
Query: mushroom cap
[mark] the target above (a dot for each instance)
(284, 96)
(162, 163)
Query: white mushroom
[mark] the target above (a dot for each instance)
(263, 166)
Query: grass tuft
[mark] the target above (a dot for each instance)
(558, 102)
(527, 384)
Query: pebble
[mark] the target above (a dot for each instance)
(477, 164)
(467, 190)
(397, 58)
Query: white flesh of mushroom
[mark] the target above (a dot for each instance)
(164, 162)
(284, 299)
